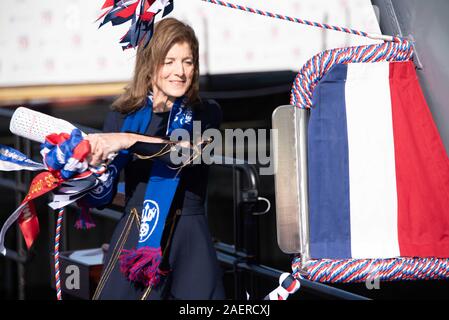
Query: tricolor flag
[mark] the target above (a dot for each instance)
(378, 171)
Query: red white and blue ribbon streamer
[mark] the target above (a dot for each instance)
(13, 160)
(141, 13)
(44, 182)
(66, 175)
(66, 154)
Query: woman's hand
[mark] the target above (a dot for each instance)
(104, 144)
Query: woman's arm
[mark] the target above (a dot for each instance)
(107, 188)
(104, 144)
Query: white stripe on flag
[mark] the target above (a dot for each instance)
(372, 174)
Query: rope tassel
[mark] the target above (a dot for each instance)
(84, 221)
(142, 265)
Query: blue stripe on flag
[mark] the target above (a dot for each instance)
(329, 207)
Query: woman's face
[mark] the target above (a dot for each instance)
(174, 77)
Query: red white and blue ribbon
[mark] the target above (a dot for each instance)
(44, 182)
(141, 13)
(67, 176)
(13, 160)
(66, 154)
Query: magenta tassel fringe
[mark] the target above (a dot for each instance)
(84, 221)
(142, 265)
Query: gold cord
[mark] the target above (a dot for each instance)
(166, 149)
(116, 252)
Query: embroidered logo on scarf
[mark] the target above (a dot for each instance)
(99, 192)
(183, 117)
(150, 217)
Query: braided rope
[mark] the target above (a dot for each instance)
(301, 21)
(317, 67)
(361, 270)
(57, 238)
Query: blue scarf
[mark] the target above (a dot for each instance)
(141, 265)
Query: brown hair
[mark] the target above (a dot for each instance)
(167, 33)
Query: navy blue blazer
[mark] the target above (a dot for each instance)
(190, 258)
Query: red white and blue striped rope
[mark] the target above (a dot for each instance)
(57, 238)
(301, 21)
(317, 67)
(362, 270)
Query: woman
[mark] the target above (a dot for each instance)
(161, 247)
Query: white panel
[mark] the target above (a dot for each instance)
(58, 42)
(372, 173)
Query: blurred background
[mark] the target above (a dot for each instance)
(54, 59)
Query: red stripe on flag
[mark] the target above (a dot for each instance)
(422, 169)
